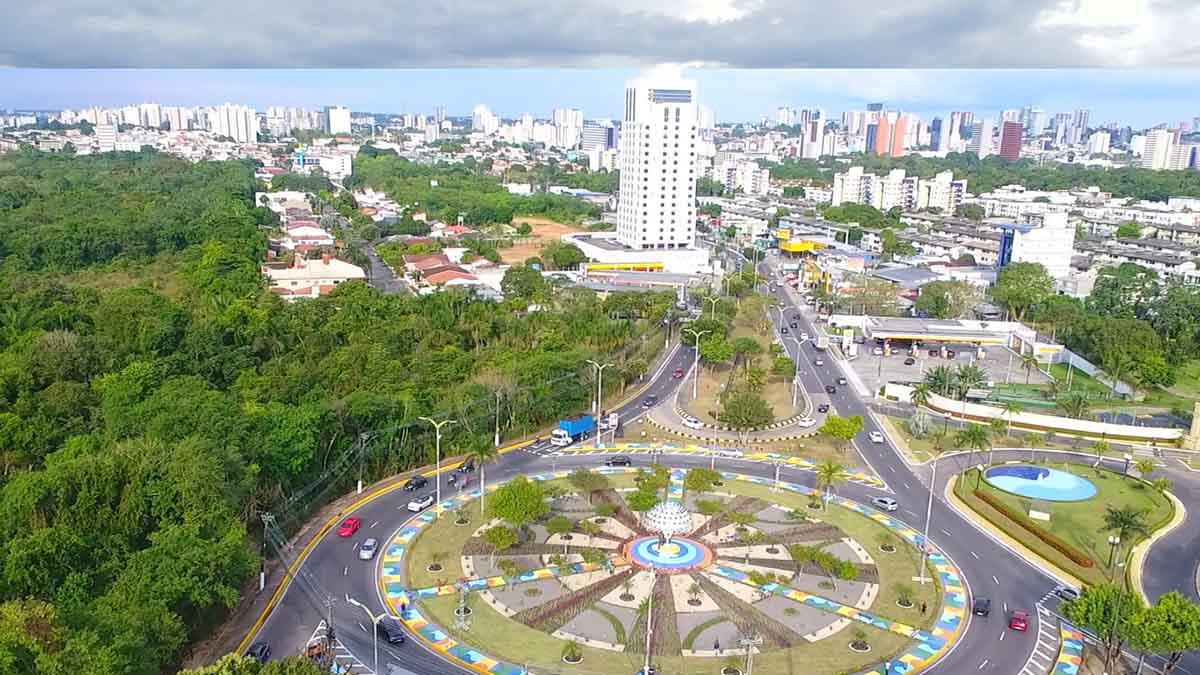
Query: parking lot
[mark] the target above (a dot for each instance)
(1001, 364)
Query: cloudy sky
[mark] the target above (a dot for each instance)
(1136, 60)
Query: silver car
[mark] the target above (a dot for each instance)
(885, 503)
(368, 549)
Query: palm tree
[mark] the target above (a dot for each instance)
(481, 451)
(1124, 521)
(1011, 408)
(1145, 467)
(1161, 484)
(829, 473)
(937, 441)
(1100, 447)
(920, 394)
(940, 379)
(1029, 363)
(973, 437)
(969, 377)
(1075, 405)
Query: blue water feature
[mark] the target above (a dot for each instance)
(1039, 482)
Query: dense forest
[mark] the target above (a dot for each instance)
(155, 399)
(993, 172)
(447, 190)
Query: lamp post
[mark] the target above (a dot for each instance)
(1113, 542)
(921, 578)
(375, 619)
(437, 459)
(696, 361)
(599, 393)
(1128, 459)
(712, 308)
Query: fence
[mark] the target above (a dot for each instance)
(1087, 367)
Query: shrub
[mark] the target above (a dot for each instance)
(1073, 554)
(919, 424)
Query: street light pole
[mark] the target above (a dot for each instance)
(713, 308)
(695, 361)
(928, 515)
(374, 629)
(437, 459)
(599, 393)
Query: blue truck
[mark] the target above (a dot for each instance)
(571, 429)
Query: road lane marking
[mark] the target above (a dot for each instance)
(981, 666)
(360, 625)
(1002, 635)
(374, 524)
(995, 580)
(345, 571)
(974, 555)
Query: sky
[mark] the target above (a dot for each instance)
(1139, 97)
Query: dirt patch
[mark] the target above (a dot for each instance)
(544, 232)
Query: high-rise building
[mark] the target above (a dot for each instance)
(1157, 154)
(439, 114)
(658, 163)
(568, 126)
(1010, 140)
(1036, 123)
(936, 142)
(900, 136)
(106, 137)
(238, 122)
(872, 136)
(941, 192)
(1098, 143)
(786, 116)
(883, 136)
(874, 107)
(337, 120)
(599, 135)
(151, 114)
(1181, 157)
(813, 139)
(482, 119)
(981, 139)
(1047, 239)
(1010, 115)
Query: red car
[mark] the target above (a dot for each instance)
(1019, 621)
(349, 526)
(679, 373)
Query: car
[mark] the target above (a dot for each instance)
(349, 526)
(650, 401)
(692, 423)
(878, 351)
(807, 423)
(730, 453)
(830, 389)
(368, 549)
(678, 374)
(842, 381)
(1018, 621)
(803, 337)
(981, 607)
(823, 408)
(416, 483)
(1066, 593)
(618, 460)
(909, 361)
(259, 651)
(783, 330)
(819, 362)
(885, 503)
(793, 324)
(875, 437)
(466, 467)
(950, 353)
(935, 352)
(390, 630)
(420, 503)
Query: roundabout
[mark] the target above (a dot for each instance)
(688, 579)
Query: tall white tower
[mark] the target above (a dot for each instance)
(658, 162)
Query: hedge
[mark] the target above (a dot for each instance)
(1073, 554)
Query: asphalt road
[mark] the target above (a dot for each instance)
(333, 570)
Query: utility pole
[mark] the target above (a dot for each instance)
(497, 440)
(437, 467)
(362, 453)
(268, 522)
(599, 367)
(649, 622)
(696, 361)
(921, 577)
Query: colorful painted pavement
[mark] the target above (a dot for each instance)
(1070, 655)
(851, 475)
(927, 647)
(500, 581)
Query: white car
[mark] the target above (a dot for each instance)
(804, 337)
(819, 362)
(692, 423)
(368, 549)
(875, 437)
(885, 503)
(420, 503)
(807, 423)
(732, 454)
(878, 351)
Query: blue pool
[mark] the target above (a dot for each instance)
(1039, 482)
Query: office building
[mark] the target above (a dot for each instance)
(658, 163)
(1157, 153)
(599, 135)
(936, 140)
(1036, 122)
(941, 192)
(874, 107)
(337, 120)
(1047, 239)
(1010, 140)
(1099, 143)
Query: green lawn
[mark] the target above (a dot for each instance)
(1077, 523)
(1187, 382)
(777, 392)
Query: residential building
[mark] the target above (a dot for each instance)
(337, 120)
(939, 135)
(1010, 140)
(238, 122)
(106, 137)
(850, 185)
(310, 278)
(1157, 154)
(741, 174)
(882, 192)
(813, 139)
(941, 192)
(483, 120)
(599, 135)
(1099, 143)
(981, 139)
(1182, 157)
(658, 163)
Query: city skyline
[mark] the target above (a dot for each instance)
(1139, 98)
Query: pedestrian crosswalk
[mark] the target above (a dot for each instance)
(340, 659)
(1045, 651)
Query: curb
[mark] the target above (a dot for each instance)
(687, 434)
(1138, 558)
(1020, 550)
